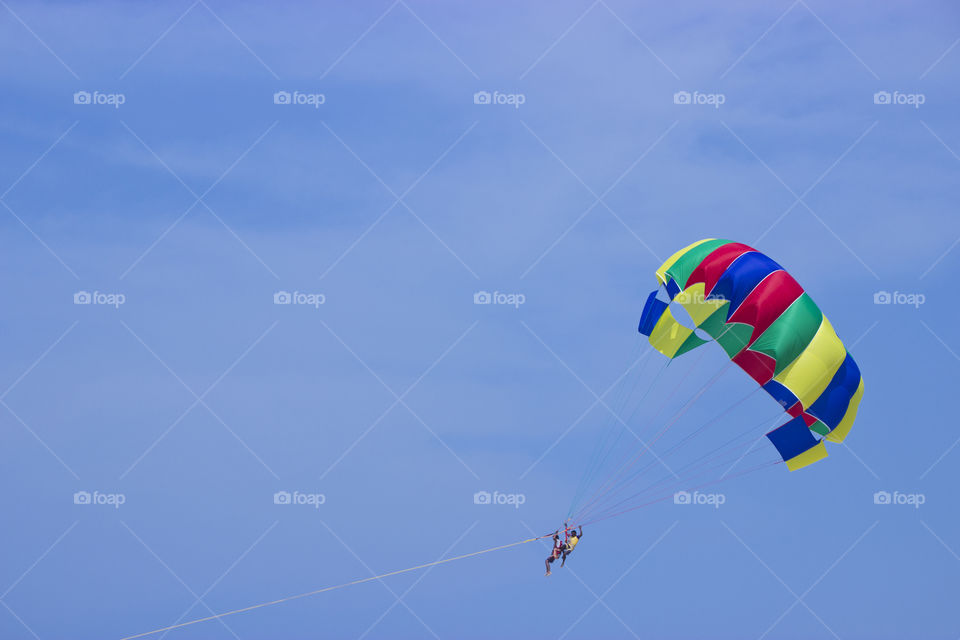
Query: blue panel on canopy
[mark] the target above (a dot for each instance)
(832, 404)
(781, 394)
(742, 277)
(652, 311)
(672, 288)
(792, 438)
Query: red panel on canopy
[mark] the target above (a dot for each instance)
(712, 267)
(759, 366)
(767, 302)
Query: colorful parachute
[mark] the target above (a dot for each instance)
(770, 328)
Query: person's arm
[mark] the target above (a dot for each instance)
(581, 532)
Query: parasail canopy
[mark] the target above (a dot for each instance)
(769, 327)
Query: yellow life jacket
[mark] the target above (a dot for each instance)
(572, 542)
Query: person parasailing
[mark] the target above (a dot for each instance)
(558, 547)
(572, 538)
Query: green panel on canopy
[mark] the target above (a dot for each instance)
(681, 269)
(692, 342)
(819, 427)
(735, 338)
(732, 337)
(790, 334)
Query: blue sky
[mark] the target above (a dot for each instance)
(394, 201)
